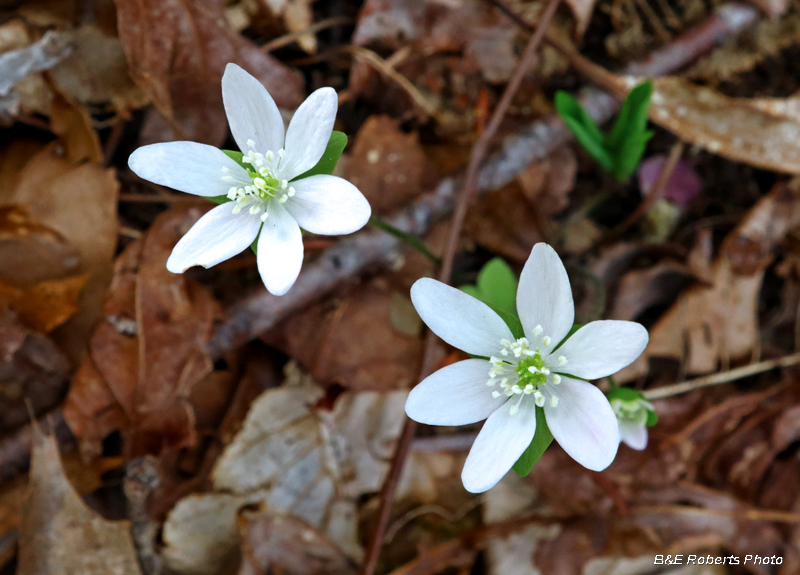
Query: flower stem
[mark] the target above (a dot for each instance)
(412, 241)
(723, 377)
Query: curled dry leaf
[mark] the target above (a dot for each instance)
(59, 534)
(148, 352)
(97, 72)
(365, 342)
(719, 323)
(293, 459)
(177, 52)
(64, 188)
(386, 164)
(765, 134)
(31, 252)
(46, 305)
(31, 366)
(288, 545)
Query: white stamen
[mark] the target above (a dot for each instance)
(562, 360)
(251, 144)
(265, 216)
(537, 331)
(553, 401)
(556, 379)
(546, 341)
(225, 170)
(227, 179)
(538, 397)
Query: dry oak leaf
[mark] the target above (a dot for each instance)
(148, 351)
(764, 134)
(386, 164)
(31, 366)
(64, 188)
(719, 323)
(46, 305)
(293, 459)
(59, 534)
(288, 545)
(177, 52)
(31, 252)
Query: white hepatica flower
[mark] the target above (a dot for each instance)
(632, 411)
(523, 373)
(265, 196)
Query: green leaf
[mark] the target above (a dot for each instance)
(330, 157)
(541, 441)
(652, 418)
(236, 157)
(511, 319)
(624, 394)
(632, 118)
(583, 127)
(627, 158)
(497, 283)
(254, 245)
(219, 199)
(629, 136)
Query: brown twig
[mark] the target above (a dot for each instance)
(468, 192)
(658, 188)
(287, 39)
(723, 377)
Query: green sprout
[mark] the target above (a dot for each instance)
(619, 152)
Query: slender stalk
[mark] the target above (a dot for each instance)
(723, 377)
(408, 239)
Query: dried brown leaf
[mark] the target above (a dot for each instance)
(148, 352)
(31, 252)
(46, 305)
(177, 52)
(293, 459)
(719, 323)
(582, 10)
(754, 133)
(386, 164)
(59, 534)
(31, 366)
(288, 545)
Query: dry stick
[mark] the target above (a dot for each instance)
(355, 255)
(287, 39)
(723, 377)
(468, 192)
(658, 188)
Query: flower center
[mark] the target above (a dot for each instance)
(524, 370)
(264, 184)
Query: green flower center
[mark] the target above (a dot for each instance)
(532, 376)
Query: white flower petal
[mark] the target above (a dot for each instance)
(583, 423)
(602, 348)
(454, 395)
(252, 113)
(187, 167)
(309, 132)
(459, 319)
(328, 205)
(633, 435)
(500, 443)
(216, 237)
(280, 250)
(544, 296)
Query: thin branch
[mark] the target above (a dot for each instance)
(658, 188)
(723, 377)
(387, 69)
(292, 37)
(468, 192)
